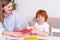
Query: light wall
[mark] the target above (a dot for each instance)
(27, 8)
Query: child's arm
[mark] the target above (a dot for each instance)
(34, 30)
(45, 32)
(42, 33)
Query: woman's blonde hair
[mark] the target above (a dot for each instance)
(3, 3)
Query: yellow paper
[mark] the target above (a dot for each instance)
(31, 38)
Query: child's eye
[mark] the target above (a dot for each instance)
(41, 16)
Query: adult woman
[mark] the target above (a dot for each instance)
(10, 20)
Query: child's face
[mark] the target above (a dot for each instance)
(40, 19)
(8, 8)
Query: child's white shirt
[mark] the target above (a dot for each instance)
(43, 27)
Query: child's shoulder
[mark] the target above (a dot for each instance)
(36, 23)
(45, 23)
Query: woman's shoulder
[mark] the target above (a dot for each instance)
(14, 12)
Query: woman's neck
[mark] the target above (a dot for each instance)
(7, 14)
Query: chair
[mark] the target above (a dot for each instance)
(55, 30)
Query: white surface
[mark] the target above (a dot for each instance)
(2, 37)
(53, 38)
(22, 38)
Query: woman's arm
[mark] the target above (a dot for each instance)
(16, 29)
(14, 34)
(5, 33)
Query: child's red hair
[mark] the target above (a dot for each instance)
(42, 13)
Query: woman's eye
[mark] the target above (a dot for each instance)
(8, 6)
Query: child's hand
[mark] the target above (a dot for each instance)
(34, 31)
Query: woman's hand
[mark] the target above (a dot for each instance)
(16, 30)
(16, 34)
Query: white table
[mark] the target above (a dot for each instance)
(22, 38)
(53, 38)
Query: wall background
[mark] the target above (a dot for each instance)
(27, 8)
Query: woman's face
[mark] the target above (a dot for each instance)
(40, 19)
(8, 8)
